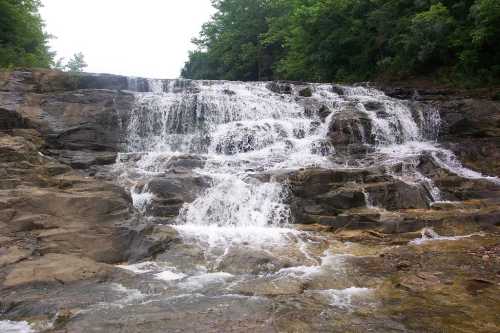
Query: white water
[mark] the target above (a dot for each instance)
(243, 129)
(344, 298)
(7, 326)
(429, 235)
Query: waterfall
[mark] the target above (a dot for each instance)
(245, 129)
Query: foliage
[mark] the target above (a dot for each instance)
(76, 63)
(347, 40)
(23, 43)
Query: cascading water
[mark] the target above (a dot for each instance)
(241, 129)
(244, 129)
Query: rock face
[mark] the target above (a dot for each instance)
(60, 226)
(336, 197)
(88, 119)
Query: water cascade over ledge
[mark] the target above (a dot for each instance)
(238, 132)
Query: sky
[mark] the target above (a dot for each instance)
(147, 38)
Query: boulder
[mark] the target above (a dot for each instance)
(396, 195)
(306, 92)
(350, 128)
(171, 192)
(248, 260)
(280, 87)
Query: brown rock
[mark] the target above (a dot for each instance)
(59, 268)
(12, 255)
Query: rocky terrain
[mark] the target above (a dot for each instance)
(77, 205)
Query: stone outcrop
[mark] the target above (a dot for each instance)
(327, 196)
(80, 118)
(59, 224)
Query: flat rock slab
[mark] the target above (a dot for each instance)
(60, 268)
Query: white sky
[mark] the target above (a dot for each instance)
(149, 38)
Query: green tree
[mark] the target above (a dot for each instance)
(22, 39)
(349, 40)
(427, 43)
(230, 46)
(76, 63)
(482, 54)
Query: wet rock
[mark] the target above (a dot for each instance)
(248, 260)
(469, 122)
(185, 162)
(306, 92)
(147, 241)
(324, 112)
(473, 127)
(280, 87)
(314, 108)
(338, 89)
(478, 286)
(80, 159)
(351, 220)
(419, 282)
(10, 119)
(271, 287)
(229, 92)
(373, 106)
(37, 80)
(395, 195)
(15, 149)
(350, 128)
(43, 81)
(170, 193)
(48, 208)
(454, 187)
(67, 118)
(87, 120)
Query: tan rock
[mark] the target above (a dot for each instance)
(268, 287)
(56, 268)
(12, 255)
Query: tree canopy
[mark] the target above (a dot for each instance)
(347, 40)
(23, 43)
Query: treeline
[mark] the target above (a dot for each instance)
(349, 40)
(23, 42)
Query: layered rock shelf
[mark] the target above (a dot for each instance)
(138, 205)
